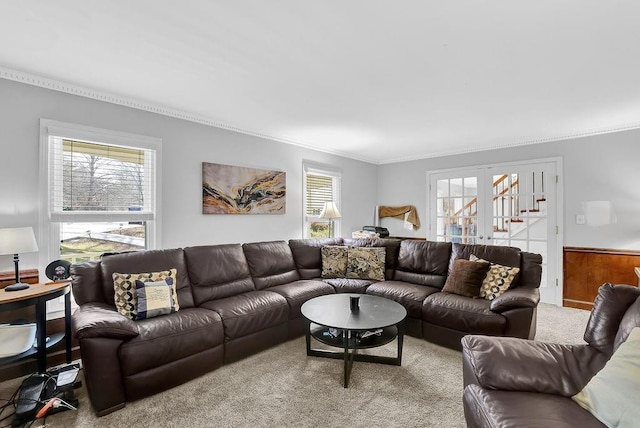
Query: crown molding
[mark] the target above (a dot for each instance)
(572, 136)
(69, 88)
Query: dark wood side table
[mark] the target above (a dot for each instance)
(37, 295)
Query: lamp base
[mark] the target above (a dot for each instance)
(16, 287)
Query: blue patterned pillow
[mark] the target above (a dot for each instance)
(155, 298)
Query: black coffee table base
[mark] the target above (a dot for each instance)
(351, 345)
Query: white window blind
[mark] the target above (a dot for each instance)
(100, 182)
(320, 185)
(320, 189)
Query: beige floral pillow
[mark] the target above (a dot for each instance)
(498, 279)
(334, 261)
(366, 263)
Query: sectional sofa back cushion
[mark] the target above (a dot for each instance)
(530, 270)
(217, 271)
(270, 263)
(506, 256)
(392, 247)
(147, 261)
(423, 262)
(86, 283)
(612, 317)
(307, 255)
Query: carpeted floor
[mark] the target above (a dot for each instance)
(283, 387)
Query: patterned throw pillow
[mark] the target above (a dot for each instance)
(366, 263)
(498, 279)
(126, 296)
(334, 261)
(154, 298)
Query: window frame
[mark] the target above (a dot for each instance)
(336, 175)
(49, 233)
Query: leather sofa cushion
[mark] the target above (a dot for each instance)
(609, 309)
(463, 314)
(86, 283)
(523, 409)
(250, 312)
(172, 337)
(147, 261)
(423, 262)
(270, 263)
(408, 295)
(298, 292)
(307, 256)
(506, 256)
(349, 285)
(392, 246)
(530, 270)
(217, 271)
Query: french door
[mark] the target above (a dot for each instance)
(508, 204)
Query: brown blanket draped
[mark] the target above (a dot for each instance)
(399, 212)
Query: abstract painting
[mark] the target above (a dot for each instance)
(228, 189)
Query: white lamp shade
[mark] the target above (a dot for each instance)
(17, 240)
(330, 211)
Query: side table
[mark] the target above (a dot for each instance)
(38, 295)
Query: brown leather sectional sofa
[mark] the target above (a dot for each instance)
(236, 300)
(521, 383)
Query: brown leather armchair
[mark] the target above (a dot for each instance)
(512, 382)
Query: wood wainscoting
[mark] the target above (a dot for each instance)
(586, 269)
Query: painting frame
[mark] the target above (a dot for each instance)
(230, 189)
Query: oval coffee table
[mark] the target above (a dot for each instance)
(333, 312)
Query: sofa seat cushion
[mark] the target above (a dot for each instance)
(407, 294)
(511, 409)
(463, 314)
(349, 285)
(298, 292)
(250, 312)
(167, 338)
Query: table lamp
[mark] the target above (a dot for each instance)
(330, 211)
(14, 241)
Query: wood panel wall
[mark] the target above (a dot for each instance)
(586, 269)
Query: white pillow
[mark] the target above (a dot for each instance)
(613, 394)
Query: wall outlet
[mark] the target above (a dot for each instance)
(580, 219)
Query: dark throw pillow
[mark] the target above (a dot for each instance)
(466, 278)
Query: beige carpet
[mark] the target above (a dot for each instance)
(283, 387)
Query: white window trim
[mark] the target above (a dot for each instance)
(320, 169)
(49, 232)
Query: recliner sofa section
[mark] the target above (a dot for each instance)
(236, 300)
(416, 272)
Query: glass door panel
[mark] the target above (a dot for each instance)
(500, 205)
(456, 209)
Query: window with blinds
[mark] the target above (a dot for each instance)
(320, 186)
(95, 181)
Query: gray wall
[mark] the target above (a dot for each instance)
(185, 146)
(598, 168)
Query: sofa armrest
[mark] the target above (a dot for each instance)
(517, 298)
(512, 364)
(101, 320)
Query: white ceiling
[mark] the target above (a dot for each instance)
(380, 81)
